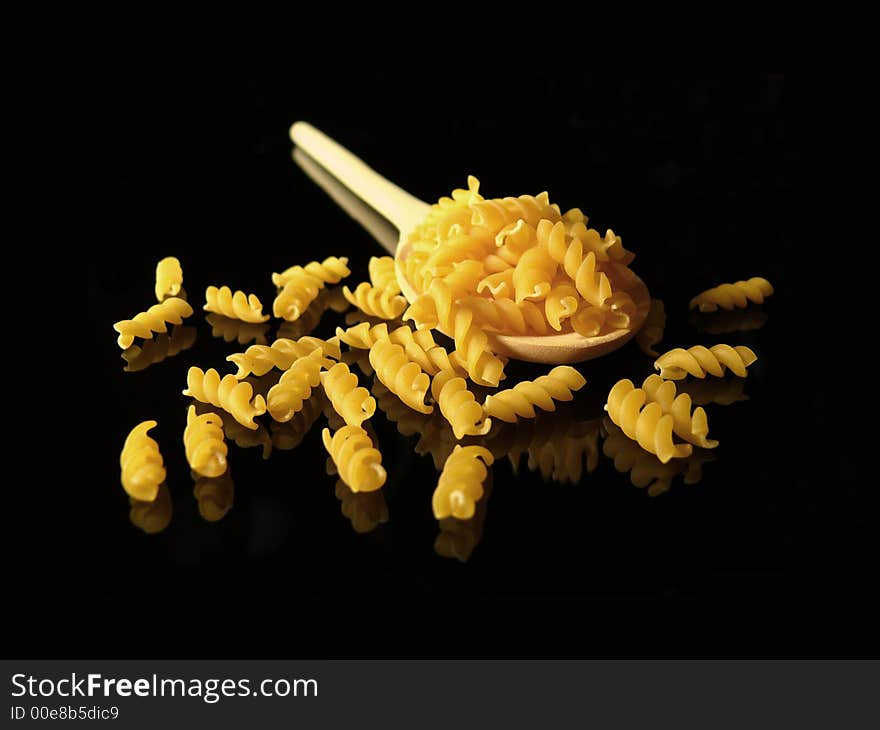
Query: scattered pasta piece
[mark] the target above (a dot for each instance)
(400, 375)
(331, 270)
(692, 427)
(459, 538)
(169, 278)
(730, 296)
(382, 303)
(143, 468)
(521, 399)
(358, 462)
(170, 311)
(458, 405)
(352, 402)
(644, 422)
(289, 435)
(286, 397)
(260, 359)
(227, 393)
(301, 285)
(383, 275)
(238, 305)
(699, 361)
(204, 444)
(460, 486)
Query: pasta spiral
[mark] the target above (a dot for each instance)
(286, 397)
(260, 359)
(237, 305)
(382, 303)
(458, 405)
(204, 443)
(289, 435)
(169, 278)
(692, 427)
(419, 345)
(143, 468)
(358, 462)
(644, 422)
(700, 361)
(331, 270)
(214, 496)
(170, 311)
(730, 296)
(561, 303)
(533, 274)
(227, 393)
(460, 486)
(383, 274)
(506, 316)
(400, 375)
(594, 286)
(351, 401)
(521, 399)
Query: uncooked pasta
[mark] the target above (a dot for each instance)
(700, 361)
(141, 462)
(170, 311)
(521, 399)
(235, 305)
(358, 462)
(460, 486)
(351, 401)
(204, 443)
(169, 278)
(730, 296)
(228, 393)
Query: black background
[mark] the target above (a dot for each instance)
(693, 175)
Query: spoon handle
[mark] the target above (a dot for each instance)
(397, 205)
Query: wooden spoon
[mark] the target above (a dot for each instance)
(406, 212)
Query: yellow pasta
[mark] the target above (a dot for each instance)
(458, 405)
(365, 510)
(699, 361)
(593, 285)
(235, 305)
(521, 399)
(461, 482)
(170, 311)
(289, 435)
(505, 315)
(227, 393)
(730, 296)
(307, 321)
(143, 468)
(295, 386)
(459, 538)
(651, 332)
(382, 303)
(692, 427)
(400, 374)
(152, 517)
(233, 329)
(561, 304)
(407, 421)
(383, 274)
(214, 495)
(169, 278)
(533, 274)
(331, 270)
(301, 285)
(260, 359)
(155, 350)
(497, 213)
(644, 422)
(351, 401)
(358, 462)
(204, 444)
(588, 321)
(498, 284)
(619, 310)
(244, 438)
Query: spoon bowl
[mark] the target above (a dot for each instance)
(406, 211)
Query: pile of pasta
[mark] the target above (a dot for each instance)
(508, 265)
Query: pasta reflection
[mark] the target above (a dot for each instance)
(214, 495)
(244, 438)
(459, 538)
(365, 510)
(162, 346)
(330, 298)
(721, 322)
(721, 391)
(646, 470)
(289, 435)
(152, 517)
(230, 330)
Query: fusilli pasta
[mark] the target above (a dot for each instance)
(730, 296)
(295, 386)
(358, 462)
(458, 405)
(382, 303)
(521, 399)
(692, 427)
(260, 359)
(461, 482)
(170, 311)
(143, 468)
(169, 278)
(164, 345)
(699, 361)
(237, 305)
(204, 444)
(401, 375)
(351, 401)
(227, 393)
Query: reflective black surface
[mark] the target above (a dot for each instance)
(691, 175)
